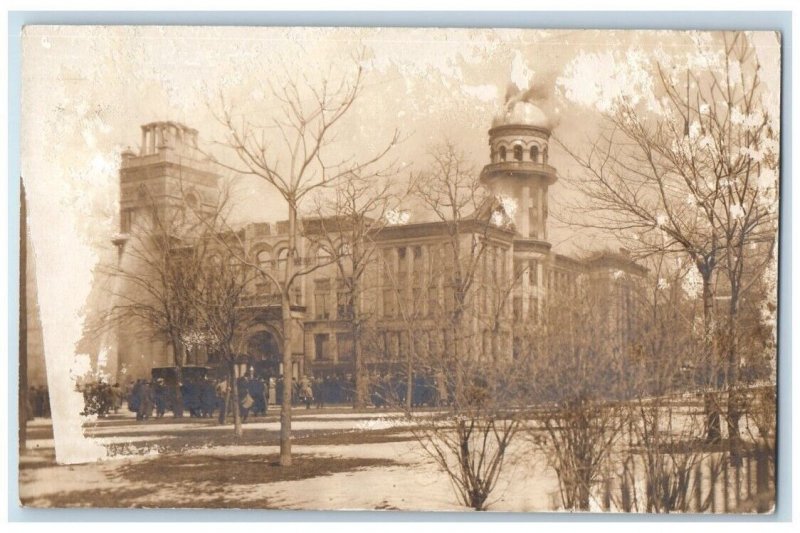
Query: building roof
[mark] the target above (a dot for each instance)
(521, 113)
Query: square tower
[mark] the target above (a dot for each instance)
(169, 172)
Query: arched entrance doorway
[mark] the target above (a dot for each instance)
(264, 351)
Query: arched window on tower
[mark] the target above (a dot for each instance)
(535, 153)
(544, 155)
(518, 152)
(502, 153)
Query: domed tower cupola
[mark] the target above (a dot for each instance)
(518, 140)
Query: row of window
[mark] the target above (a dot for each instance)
(344, 347)
(398, 345)
(519, 153)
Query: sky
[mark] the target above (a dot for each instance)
(86, 91)
(90, 88)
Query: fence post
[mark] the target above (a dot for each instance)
(712, 484)
(762, 480)
(725, 482)
(749, 476)
(737, 469)
(607, 495)
(626, 495)
(698, 489)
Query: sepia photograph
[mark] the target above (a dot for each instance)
(399, 269)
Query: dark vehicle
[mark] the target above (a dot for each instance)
(188, 373)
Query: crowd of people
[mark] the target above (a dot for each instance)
(197, 396)
(101, 398)
(205, 397)
(388, 389)
(38, 402)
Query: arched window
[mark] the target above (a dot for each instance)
(518, 152)
(323, 255)
(192, 201)
(544, 155)
(263, 258)
(282, 255)
(535, 153)
(502, 153)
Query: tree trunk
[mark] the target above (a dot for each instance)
(360, 397)
(237, 414)
(410, 371)
(734, 407)
(223, 412)
(710, 400)
(177, 350)
(286, 315)
(360, 400)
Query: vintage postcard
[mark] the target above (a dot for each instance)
(399, 269)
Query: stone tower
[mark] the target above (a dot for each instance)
(518, 169)
(171, 175)
(168, 172)
(519, 139)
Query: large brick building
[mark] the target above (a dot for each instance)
(406, 289)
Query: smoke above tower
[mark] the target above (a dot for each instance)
(531, 86)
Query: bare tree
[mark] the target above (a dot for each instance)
(292, 152)
(470, 437)
(157, 278)
(578, 381)
(344, 228)
(449, 188)
(176, 280)
(468, 270)
(665, 431)
(697, 178)
(217, 302)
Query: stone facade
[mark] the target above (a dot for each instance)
(404, 292)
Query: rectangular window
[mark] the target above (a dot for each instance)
(388, 266)
(518, 308)
(321, 351)
(321, 305)
(433, 300)
(533, 310)
(533, 273)
(344, 300)
(394, 345)
(449, 299)
(416, 295)
(402, 268)
(344, 346)
(126, 220)
(388, 303)
(519, 269)
(418, 267)
(533, 223)
(322, 288)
